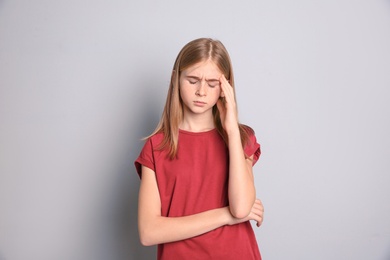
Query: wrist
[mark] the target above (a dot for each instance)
(233, 131)
(226, 216)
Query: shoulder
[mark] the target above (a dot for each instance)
(155, 139)
(147, 154)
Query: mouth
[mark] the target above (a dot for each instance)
(199, 103)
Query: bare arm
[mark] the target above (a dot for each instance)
(242, 193)
(156, 229)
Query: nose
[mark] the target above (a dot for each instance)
(201, 91)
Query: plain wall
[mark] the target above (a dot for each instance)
(82, 82)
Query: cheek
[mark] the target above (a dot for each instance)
(184, 92)
(184, 86)
(181, 93)
(216, 94)
(216, 91)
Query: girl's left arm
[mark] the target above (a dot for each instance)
(242, 192)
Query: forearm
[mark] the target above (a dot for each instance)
(158, 229)
(242, 193)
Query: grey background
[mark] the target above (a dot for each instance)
(82, 81)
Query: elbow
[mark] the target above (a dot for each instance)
(146, 242)
(239, 212)
(241, 207)
(146, 238)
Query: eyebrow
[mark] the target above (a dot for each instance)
(197, 78)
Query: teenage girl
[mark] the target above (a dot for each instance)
(197, 190)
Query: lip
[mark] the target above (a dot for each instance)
(199, 103)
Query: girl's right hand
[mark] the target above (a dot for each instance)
(256, 214)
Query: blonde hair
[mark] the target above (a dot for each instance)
(193, 52)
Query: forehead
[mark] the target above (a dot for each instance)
(203, 69)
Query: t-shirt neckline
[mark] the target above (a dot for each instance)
(197, 133)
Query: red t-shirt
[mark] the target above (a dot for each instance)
(196, 181)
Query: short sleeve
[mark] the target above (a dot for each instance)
(145, 158)
(252, 147)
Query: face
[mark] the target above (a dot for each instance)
(200, 88)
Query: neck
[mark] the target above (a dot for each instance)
(197, 123)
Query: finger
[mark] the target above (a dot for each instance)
(258, 206)
(258, 220)
(258, 224)
(225, 85)
(258, 214)
(225, 80)
(258, 201)
(227, 91)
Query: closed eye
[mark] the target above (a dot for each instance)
(213, 83)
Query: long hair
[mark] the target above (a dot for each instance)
(194, 52)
